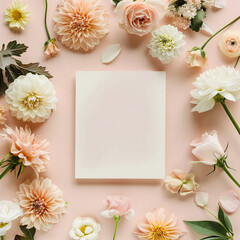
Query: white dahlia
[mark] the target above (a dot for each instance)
(215, 85)
(166, 43)
(31, 98)
(187, 10)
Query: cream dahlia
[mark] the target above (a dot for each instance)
(31, 98)
(31, 150)
(80, 24)
(42, 204)
(159, 226)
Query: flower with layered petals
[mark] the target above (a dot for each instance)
(195, 58)
(31, 98)
(159, 226)
(17, 15)
(179, 182)
(80, 24)
(3, 110)
(84, 229)
(42, 204)
(139, 17)
(215, 85)
(187, 10)
(166, 43)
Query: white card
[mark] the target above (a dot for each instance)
(120, 125)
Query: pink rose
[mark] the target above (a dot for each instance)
(208, 149)
(118, 206)
(179, 182)
(139, 17)
(51, 49)
(195, 59)
(229, 43)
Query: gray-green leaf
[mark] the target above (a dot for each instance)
(30, 233)
(196, 22)
(18, 237)
(211, 238)
(223, 217)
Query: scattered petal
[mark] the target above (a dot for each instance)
(111, 53)
(229, 201)
(206, 28)
(129, 214)
(220, 4)
(201, 199)
(109, 213)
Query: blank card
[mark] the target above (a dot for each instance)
(120, 125)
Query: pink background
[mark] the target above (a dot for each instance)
(86, 197)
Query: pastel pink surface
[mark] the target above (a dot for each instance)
(86, 197)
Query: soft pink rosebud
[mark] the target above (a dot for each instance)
(229, 201)
(207, 148)
(51, 50)
(195, 59)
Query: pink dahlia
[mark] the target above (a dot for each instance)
(80, 24)
(42, 204)
(30, 149)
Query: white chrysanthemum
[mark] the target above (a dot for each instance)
(31, 98)
(166, 43)
(84, 229)
(187, 10)
(215, 84)
(208, 3)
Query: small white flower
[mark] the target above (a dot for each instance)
(84, 229)
(221, 82)
(31, 98)
(9, 211)
(208, 3)
(187, 10)
(166, 43)
(201, 199)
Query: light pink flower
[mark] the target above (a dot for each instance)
(3, 110)
(118, 206)
(179, 182)
(207, 148)
(42, 204)
(31, 150)
(195, 59)
(80, 24)
(51, 49)
(159, 226)
(229, 43)
(139, 17)
(181, 22)
(229, 201)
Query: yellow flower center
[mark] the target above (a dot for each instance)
(32, 100)
(159, 233)
(2, 224)
(16, 15)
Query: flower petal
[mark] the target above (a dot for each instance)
(109, 213)
(201, 199)
(229, 201)
(206, 28)
(220, 4)
(111, 53)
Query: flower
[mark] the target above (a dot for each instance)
(118, 205)
(139, 17)
(229, 43)
(195, 58)
(166, 43)
(201, 199)
(51, 49)
(42, 204)
(3, 110)
(215, 85)
(195, 3)
(181, 22)
(31, 98)
(159, 226)
(17, 15)
(179, 182)
(229, 201)
(207, 148)
(187, 10)
(9, 211)
(81, 24)
(84, 229)
(30, 149)
(208, 3)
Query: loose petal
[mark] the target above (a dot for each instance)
(206, 28)
(129, 214)
(201, 199)
(229, 201)
(111, 53)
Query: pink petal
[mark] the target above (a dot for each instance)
(229, 201)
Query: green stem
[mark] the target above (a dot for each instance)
(45, 20)
(230, 175)
(2, 161)
(204, 45)
(237, 62)
(230, 115)
(2, 237)
(6, 170)
(117, 219)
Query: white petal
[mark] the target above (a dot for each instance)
(109, 213)
(111, 53)
(201, 199)
(220, 3)
(206, 28)
(130, 213)
(88, 230)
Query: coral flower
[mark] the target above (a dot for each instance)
(159, 226)
(17, 15)
(42, 204)
(80, 24)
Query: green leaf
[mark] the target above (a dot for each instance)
(6, 61)
(16, 49)
(211, 238)
(18, 237)
(30, 233)
(179, 3)
(196, 22)
(195, 49)
(208, 228)
(3, 85)
(223, 217)
(116, 1)
(203, 54)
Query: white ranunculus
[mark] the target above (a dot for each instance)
(9, 211)
(221, 82)
(167, 43)
(84, 229)
(31, 98)
(208, 149)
